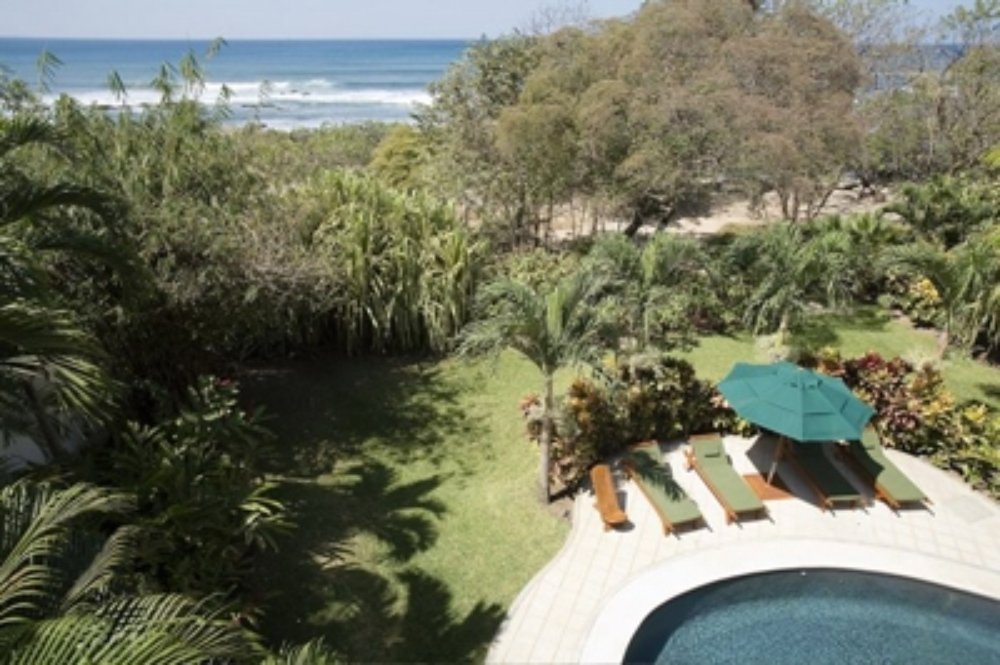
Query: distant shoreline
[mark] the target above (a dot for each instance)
(187, 40)
(283, 84)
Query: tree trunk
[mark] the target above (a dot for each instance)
(545, 441)
(783, 327)
(634, 226)
(944, 341)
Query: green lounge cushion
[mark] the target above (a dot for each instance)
(713, 464)
(886, 474)
(708, 447)
(831, 482)
(659, 485)
(732, 486)
(870, 440)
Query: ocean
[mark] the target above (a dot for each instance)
(282, 84)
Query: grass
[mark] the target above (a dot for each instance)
(413, 487)
(417, 522)
(854, 334)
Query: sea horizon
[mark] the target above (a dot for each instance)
(208, 40)
(279, 83)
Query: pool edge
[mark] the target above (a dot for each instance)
(621, 615)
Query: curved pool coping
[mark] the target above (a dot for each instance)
(601, 584)
(623, 612)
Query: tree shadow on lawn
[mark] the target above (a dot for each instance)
(310, 589)
(329, 407)
(991, 390)
(815, 332)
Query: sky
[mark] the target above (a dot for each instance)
(236, 19)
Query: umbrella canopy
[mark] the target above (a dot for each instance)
(795, 402)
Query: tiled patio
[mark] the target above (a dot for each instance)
(585, 604)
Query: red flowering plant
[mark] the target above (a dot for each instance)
(651, 396)
(915, 412)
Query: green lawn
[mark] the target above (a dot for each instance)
(863, 331)
(413, 486)
(417, 522)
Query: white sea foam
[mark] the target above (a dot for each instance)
(314, 92)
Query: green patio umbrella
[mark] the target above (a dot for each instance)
(796, 403)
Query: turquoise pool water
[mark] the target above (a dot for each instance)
(818, 617)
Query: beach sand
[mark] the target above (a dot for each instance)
(573, 221)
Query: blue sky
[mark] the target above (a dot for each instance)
(235, 19)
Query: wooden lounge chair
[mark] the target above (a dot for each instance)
(868, 458)
(707, 456)
(607, 499)
(644, 465)
(829, 484)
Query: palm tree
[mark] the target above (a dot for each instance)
(655, 286)
(790, 270)
(945, 210)
(965, 278)
(58, 583)
(553, 329)
(48, 374)
(49, 366)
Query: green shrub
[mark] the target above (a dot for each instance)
(650, 396)
(917, 414)
(918, 298)
(202, 501)
(404, 264)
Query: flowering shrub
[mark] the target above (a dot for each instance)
(916, 413)
(646, 397)
(922, 302)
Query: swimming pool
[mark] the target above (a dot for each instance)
(820, 616)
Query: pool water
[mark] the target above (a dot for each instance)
(820, 616)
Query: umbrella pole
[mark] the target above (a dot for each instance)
(777, 456)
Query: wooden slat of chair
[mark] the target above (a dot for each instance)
(607, 498)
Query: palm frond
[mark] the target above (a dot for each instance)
(45, 354)
(116, 552)
(29, 199)
(314, 652)
(158, 630)
(200, 630)
(37, 524)
(24, 129)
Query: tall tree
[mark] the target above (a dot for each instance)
(553, 329)
(796, 77)
(648, 115)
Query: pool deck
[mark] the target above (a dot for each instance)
(587, 602)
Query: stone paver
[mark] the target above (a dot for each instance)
(605, 582)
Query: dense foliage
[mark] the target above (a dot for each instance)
(146, 250)
(203, 507)
(639, 398)
(65, 595)
(917, 414)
